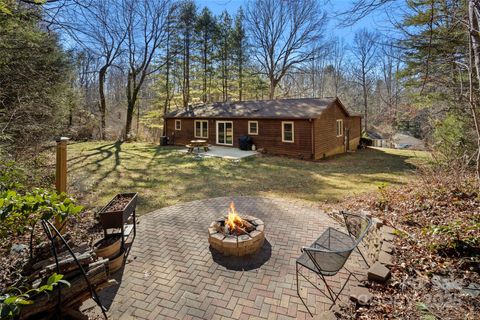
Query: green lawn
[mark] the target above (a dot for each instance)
(163, 176)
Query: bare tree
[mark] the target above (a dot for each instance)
(97, 26)
(145, 23)
(364, 52)
(337, 58)
(283, 33)
(390, 60)
(359, 9)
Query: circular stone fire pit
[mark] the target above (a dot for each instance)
(245, 237)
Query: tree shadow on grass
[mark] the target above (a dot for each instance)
(106, 152)
(245, 263)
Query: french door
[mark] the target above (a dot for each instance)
(225, 133)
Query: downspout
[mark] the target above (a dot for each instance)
(312, 129)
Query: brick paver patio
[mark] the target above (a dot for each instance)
(172, 273)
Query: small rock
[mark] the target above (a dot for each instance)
(388, 236)
(18, 248)
(360, 295)
(387, 247)
(387, 229)
(385, 258)
(377, 223)
(378, 273)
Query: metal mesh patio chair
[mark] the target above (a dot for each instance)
(328, 254)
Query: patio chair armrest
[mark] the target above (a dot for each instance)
(305, 248)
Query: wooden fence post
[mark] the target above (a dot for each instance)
(61, 166)
(61, 173)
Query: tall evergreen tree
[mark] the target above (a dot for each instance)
(187, 19)
(34, 79)
(225, 48)
(206, 29)
(239, 47)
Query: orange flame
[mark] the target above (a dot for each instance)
(233, 220)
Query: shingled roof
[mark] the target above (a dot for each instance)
(307, 108)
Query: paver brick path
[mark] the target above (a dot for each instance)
(172, 273)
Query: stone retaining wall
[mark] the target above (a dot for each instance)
(377, 247)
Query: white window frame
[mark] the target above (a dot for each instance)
(180, 125)
(338, 132)
(216, 133)
(202, 122)
(250, 132)
(283, 131)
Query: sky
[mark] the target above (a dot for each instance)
(379, 21)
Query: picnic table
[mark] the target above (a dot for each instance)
(197, 144)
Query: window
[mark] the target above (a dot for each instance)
(339, 127)
(253, 127)
(178, 124)
(287, 131)
(201, 129)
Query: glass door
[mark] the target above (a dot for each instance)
(225, 132)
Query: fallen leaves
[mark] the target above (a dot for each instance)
(439, 215)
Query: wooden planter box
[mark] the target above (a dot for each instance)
(116, 219)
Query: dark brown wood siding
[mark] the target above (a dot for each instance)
(269, 135)
(326, 141)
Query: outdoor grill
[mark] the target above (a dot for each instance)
(235, 235)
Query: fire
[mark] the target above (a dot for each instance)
(233, 220)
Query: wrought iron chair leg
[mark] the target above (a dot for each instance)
(340, 292)
(298, 290)
(363, 257)
(351, 273)
(330, 290)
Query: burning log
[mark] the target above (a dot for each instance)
(248, 226)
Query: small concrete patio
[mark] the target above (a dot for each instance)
(230, 153)
(172, 272)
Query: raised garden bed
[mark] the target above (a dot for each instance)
(117, 211)
(116, 214)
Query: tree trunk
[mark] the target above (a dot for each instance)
(167, 84)
(138, 119)
(473, 15)
(103, 104)
(128, 124)
(131, 100)
(205, 49)
(240, 79)
(273, 86)
(365, 102)
(186, 72)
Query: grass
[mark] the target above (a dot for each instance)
(163, 176)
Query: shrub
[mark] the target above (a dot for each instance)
(19, 212)
(11, 176)
(453, 138)
(12, 300)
